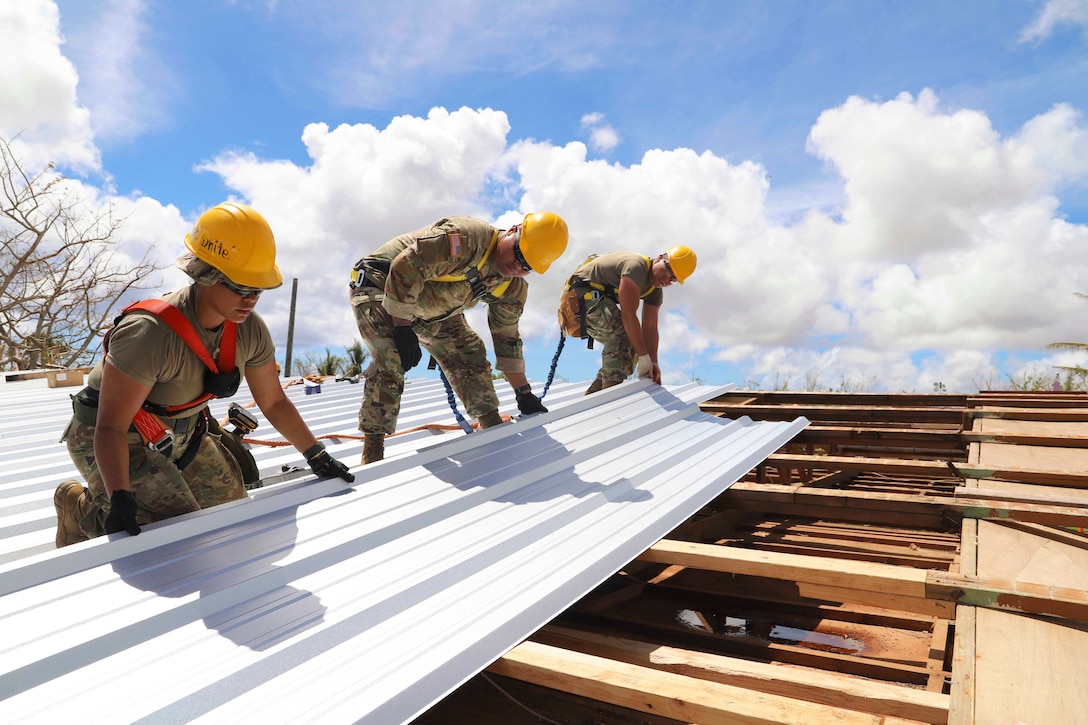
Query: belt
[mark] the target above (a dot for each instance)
(85, 410)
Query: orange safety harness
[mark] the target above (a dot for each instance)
(222, 380)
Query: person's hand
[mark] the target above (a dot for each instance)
(408, 346)
(657, 374)
(324, 465)
(529, 403)
(122, 516)
(644, 366)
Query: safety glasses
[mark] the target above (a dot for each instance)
(242, 291)
(519, 258)
(672, 275)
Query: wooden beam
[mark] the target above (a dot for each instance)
(864, 575)
(890, 400)
(890, 509)
(961, 709)
(970, 503)
(883, 437)
(947, 416)
(662, 693)
(1047, 514)
(932, 469)
(1015, 596)
(879, 579)
(1029, 439)
(1050, 415)
(827, 688)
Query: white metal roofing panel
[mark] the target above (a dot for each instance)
(33, 416)
(316, 601)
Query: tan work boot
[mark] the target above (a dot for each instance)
(595, 386)
(373, 447)
(72, 502)
(487, 420)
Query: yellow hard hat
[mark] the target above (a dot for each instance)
(543, 239)
(681, 261)
(237, 241)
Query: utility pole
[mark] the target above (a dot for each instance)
(291, 327)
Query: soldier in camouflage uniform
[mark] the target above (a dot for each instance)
(151, 381)
(413, 291)
(609, 288)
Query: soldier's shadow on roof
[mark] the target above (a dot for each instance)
(262, 610)
(529, 467)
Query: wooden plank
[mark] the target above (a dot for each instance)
(869, 400)
(1052, 515)
(758, 648)
(879, 579)
(794, 567)
(1049, 415)
(961, 706)
(920, 438)
(817, 413)
(1029, 670)
(1008, 595)
(915, 605)
(1069, 441)
(661, 693)
(937, 652)
(827, 688)
(1025, 494)
(968, 564)
(930, 469)
(1057, 400)
(991, 465)
(1041, 428)
(1066, 462)
(1030, 556)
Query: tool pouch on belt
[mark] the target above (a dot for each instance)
(370, 272)
(251, 475)
(569, 317)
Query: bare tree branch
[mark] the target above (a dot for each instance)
(61, 275)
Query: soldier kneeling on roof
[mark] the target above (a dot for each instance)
(141, 434)
(601, 300)
(413, 290)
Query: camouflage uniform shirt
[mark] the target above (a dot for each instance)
(449, 248)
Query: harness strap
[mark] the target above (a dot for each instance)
(155, 433)
(479, 292)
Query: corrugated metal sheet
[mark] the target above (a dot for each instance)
(319, 602)
(33, 416)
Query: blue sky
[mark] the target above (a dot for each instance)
(885, 194)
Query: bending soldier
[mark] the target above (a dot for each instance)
(601, 302)
(413, 291)
(141, 434)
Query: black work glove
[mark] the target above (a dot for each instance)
(529, 403)
(324, 465)
(122, 516)
(407, 346)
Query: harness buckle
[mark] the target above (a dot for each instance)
(165, 444)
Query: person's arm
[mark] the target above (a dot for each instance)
(629, 302)
(650, 335)
(264, 383)
(118, 401)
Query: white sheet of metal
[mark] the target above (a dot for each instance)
(314, 601)
(33, 416)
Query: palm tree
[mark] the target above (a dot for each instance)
(1075, 375)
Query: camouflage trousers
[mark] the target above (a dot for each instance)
(457, 348)
(162, 490)
(604, 323)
